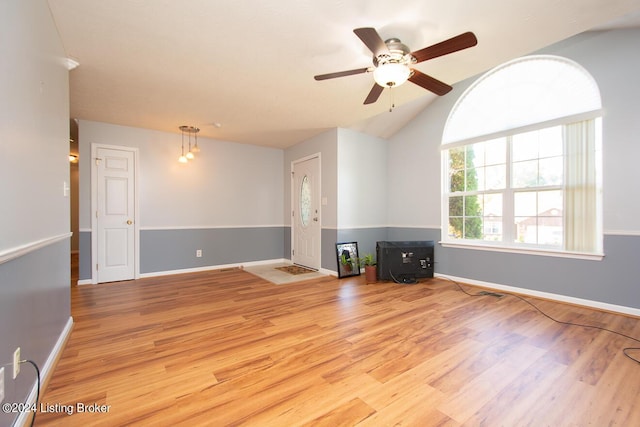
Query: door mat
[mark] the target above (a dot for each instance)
(295, 269)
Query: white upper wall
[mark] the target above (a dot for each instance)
(611, 58)
(324, 144)
(362, 180)
(34, 123)
(227, 185)
(414, 167)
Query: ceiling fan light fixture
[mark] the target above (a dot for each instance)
(391, 74)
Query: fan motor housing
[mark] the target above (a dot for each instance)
(398, 53)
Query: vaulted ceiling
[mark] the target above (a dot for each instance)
(243, 70)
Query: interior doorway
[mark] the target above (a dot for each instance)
(74, 200)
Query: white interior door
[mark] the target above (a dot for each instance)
(115, 214)
(306, 229)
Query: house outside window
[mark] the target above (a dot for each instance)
(522, 160)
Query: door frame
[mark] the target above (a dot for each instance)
(292, 187)
(94, 208)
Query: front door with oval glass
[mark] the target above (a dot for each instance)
(305, 239)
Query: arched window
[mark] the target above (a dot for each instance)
(522, 159)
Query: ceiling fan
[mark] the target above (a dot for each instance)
(392, 61)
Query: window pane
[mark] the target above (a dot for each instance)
(456, 181)
(527, 230)
(473, 228)
(550, 230)
(480, 178)
(550, 171)
(475, 155)
(455, 227)
(472, 206)
(473, 179)
(492, 217)
(456, 158)
(550, 142)
(495, 177)
(525, 174)
(539, 217)
(492, 205)
(524, 146)
(492, 228)
(525, 203)
(550, 203)
(455, 206)
(495, 151)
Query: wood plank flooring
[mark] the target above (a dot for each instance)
(228, 348)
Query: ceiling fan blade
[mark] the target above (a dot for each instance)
(454, 44)
(429, 83)
(341, 74)
(372, 39)
(373, 96)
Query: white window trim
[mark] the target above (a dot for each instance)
(487, 246)
(594, 114)
(502, 246)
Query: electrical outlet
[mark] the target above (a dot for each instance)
(16, 363)
(1, 384)
(199, 253)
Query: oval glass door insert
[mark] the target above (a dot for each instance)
(305, 201)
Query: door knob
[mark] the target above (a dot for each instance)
(315, 219)
(129, 222)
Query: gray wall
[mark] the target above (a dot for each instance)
(34, 213)
(612, 59)
(167, 250)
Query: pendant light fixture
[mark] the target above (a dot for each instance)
(184, 158)
(195, 149)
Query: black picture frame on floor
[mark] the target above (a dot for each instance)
(348, 259)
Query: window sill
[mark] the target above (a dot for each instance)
(522, 250)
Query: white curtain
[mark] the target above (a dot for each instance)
(581, 190)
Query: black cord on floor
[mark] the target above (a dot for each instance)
(38, 389)
(624, 350)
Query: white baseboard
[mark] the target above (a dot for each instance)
(216, 267)
(211, 267)
(546, 295)
(46, 371)
(196, 269)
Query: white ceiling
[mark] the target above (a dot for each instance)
(249, 65)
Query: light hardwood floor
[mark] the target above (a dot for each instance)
(228, 348)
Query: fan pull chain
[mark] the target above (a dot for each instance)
(391, 99)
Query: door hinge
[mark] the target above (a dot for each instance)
(293, 251)
(97, 267)
(98, 160)
(293, 213)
